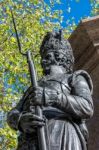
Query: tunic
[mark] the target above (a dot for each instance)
(65, 114)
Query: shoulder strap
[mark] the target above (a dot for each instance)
(85, 75)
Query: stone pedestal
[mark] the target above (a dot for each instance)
(85, 43)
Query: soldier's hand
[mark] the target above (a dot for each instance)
(29, 122)
(36, 97)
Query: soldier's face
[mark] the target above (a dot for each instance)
(52, 58)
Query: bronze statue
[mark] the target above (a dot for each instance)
(65, 97)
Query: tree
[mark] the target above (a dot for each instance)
(95, 5)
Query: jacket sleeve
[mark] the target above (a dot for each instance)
(14, 115)
(79, 102)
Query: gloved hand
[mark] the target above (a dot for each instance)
(29, 122)
(36, 97)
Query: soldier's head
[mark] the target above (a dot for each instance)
(56, 51)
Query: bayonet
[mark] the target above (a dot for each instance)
(41, 133)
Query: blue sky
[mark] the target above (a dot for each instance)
(76, 10)
(73, 10)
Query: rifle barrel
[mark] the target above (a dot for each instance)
(41, 133)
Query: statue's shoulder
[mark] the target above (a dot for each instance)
(82, 74)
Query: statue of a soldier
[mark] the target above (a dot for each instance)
(65, 97)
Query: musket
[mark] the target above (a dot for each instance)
(41, 133)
